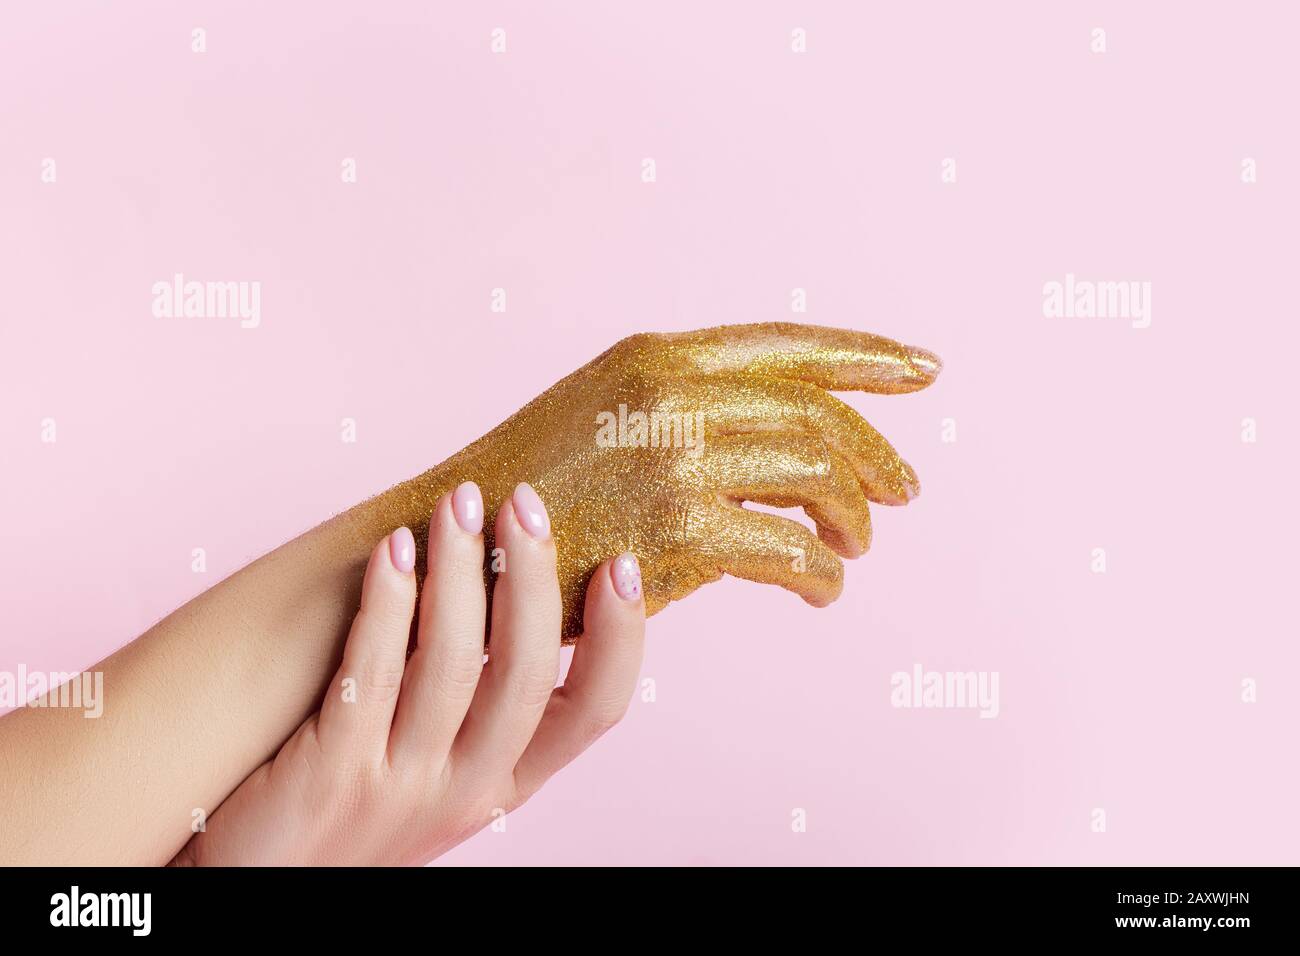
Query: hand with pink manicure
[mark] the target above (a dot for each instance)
(408, 757)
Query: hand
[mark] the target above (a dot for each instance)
(407, 758)
(771, 433)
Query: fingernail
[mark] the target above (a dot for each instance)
(401, 548)
(531, 512)
(911, 483)
(924, 361)
(467, 506)
(626, 574)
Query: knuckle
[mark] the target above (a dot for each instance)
(384, 615)
(786, 329)
(602, 714)
(638, 343)
(638, 358)
(458, 675)
(381, 682)
(533, 573)
(531, 685)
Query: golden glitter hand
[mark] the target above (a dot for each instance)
(652, 447)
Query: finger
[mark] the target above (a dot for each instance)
(769, 549)
(444, 668)
(776, 405)
(357, 713)
(791, 470)
(826, 357)
(601, 678)
(524, 654)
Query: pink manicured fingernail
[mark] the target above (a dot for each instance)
(467, 506)
(626, 573)
(401, 548)
(531, 512)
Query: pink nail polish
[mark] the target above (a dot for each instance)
(467, 506)
(531, 512)
(626, 573)
(401, 548)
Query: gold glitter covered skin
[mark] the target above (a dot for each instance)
(652, 447)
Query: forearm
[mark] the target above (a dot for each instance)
(196, 703)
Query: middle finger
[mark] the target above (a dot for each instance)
(524, 654)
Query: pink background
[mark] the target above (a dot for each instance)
(521, 170)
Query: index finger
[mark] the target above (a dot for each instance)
(835, 359)
(357, 714)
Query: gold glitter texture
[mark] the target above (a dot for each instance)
(773, 435)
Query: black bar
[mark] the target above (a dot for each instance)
(1170, 906)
